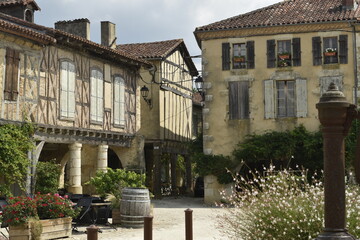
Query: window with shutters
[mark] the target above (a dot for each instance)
(11, 85)
(241, 56)
(97, 96)
(330, 50)
(119, 101)
(239, 100)
(283, 53)
(67, 89)
(285, 98)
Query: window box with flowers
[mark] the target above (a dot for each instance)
(46, 216)
(239, 58)
(330, 52)
(284, 55)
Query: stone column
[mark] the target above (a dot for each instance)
(173, 161)
(102, 159)
(75, 168)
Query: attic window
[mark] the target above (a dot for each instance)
(29, 16)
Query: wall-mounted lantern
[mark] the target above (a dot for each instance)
(145, 94)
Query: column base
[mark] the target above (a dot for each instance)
(75, 189)
(335, 234)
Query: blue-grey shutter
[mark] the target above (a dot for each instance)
(226, 56)
(343, 49)
(317, 54)
(271, 57)
(301, 98)
(269, 99)
(250, 52)
(296, 55)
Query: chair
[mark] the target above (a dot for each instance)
(3, 203)
(86, 214)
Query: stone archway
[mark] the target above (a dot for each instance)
(114, 161)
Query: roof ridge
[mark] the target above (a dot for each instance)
(156, 42)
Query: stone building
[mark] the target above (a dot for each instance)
(167, 116)
(266, 69)
(83, 96)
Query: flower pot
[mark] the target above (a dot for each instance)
(239, 59)
(284, 56)
(329, 54)
(42, 229)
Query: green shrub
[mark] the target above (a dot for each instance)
(281, 205)
(47, 177)
(113, 181)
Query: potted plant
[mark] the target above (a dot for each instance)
(284, 55)
(329, 52)
(109, 185)
(239, 58)
(39, 217)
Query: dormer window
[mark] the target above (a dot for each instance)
(29, 15)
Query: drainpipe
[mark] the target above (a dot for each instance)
(356, 81)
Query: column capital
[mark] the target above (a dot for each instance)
(75, 146)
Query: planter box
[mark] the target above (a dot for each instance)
(50, 229)
(284, 56)
(239, 59)
(330, 54)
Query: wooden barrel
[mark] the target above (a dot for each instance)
(134, 205)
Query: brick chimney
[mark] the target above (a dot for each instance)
(79, 27)
(347, 4)
(108, 34)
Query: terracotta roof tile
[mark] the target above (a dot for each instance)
(20, 2)
(44, 34)
(286, 13)
(151, 49)
(161, 49)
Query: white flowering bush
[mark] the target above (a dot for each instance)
(279, 205)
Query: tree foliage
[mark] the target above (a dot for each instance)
(47, 177)
(15, 142)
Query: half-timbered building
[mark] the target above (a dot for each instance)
(266, 70)
(166, 111)
(82, 96)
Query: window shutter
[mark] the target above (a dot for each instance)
(64, 89)
(71, 97)
(301, 98)
(343, 49)
(11, 75)
(271, 58)
(226, 56)
(122, 102)
(116, 101)
(296, 57)
(100, 104)
(317, 55)
(250, 45)
(233, 100)
(93, 102)
(269, 99)
(239, 100)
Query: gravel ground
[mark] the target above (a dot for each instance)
(168, 222)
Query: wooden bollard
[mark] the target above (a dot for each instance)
(148, 222)
(188, 224)
(92, 232)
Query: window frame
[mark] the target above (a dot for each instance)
(287, 109)
(284, 48)
(96, 96)
(119, 119)
(241, 53)
(66, 113)
(330, 43)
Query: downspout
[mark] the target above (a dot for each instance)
(356, 81)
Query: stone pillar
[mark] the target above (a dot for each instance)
(334, 115)
(75, 168)
(157, 170)
(189, 187)
(173, 161)
(102, 159)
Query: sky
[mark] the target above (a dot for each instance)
(139, 21)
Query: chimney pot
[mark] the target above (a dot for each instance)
(347, 4)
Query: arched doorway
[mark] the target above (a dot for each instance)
(113, 160)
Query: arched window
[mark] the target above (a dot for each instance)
(119, 101)
(29, 15)
(67, 89)
(97, 96)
